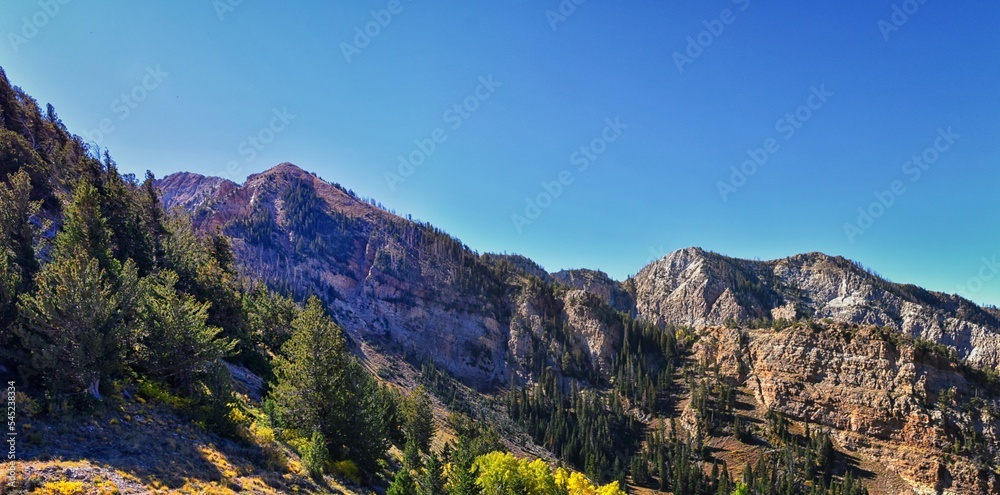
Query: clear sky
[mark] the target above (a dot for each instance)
(832, 100)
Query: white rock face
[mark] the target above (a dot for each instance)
(698, 288)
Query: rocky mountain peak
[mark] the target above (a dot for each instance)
(285, 170)
(190, 190)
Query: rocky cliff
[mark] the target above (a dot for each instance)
(700, 288)
(915, 410)
(397, 285)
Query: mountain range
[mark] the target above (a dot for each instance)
(149, 349)
(387, 274)
(817, 337)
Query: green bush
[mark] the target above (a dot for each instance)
(315, 455)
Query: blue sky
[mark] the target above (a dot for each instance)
(864, 86)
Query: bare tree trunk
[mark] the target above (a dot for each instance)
(93, 388)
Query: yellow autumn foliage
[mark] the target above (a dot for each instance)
(502, 473)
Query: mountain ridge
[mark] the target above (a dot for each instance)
(172, 182)
(690, 286)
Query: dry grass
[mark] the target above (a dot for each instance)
(142, 446)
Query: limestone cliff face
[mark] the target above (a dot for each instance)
(694, 287)
(567, 329)
(610, 291)
(884, 399)
(700, 288)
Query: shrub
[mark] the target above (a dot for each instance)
(315, 455)
(154, 391)
(26, 406)
(62, 487)
(261, 434)
(347, 469)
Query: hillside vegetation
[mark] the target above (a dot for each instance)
(121, 328)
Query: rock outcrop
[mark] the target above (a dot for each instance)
(882, 397)
(700, 288)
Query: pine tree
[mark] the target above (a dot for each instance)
(402, 484)
(85, 230)
(368, 422)
(204, 270)
(419, 419)
(411, 454)
(269, 317)
(461, 479)
(432, 478)
(176, 344)
(17, 255)
(9, 280)
(17, 155)
(17, 231)
(120, 207)
(152, 216)
(72, 324)
(311, 391)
